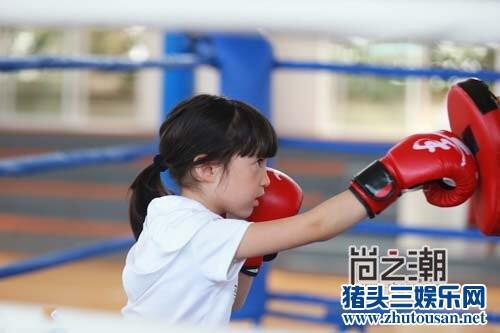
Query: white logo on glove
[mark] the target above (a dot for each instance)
(445, 143)
(431, 145)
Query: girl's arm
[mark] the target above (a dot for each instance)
(323, 222)
(407, 165)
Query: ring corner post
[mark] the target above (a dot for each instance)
(245, 63)
(178, 83)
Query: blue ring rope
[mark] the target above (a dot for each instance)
(57, 258)
(126, 153)
(191, 60)
(388, 71)
(8, 64)
(85, 157)
(388, 228)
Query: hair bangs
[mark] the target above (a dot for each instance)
(255, 134)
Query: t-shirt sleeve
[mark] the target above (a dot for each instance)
(215, 245)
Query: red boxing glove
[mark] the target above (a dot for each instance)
(438, 161)
(282, 198)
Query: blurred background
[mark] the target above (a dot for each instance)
(43, 111)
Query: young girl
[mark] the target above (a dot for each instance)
(185, 264)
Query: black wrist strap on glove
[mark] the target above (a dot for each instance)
(374, 187)
(253, 271)
(269, 257)
(250, 271)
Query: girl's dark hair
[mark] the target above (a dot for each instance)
(217, 128)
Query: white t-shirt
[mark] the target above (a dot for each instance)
(181, 269)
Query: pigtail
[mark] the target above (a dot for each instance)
(146, 186)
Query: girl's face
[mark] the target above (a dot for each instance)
(243, 182)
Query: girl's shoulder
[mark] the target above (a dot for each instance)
(175, 207)
(177, 212)
(170, 205)
(172, 221)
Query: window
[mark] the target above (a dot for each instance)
(466, 57)
(52, 97)
(111, 94)
(370, 104)
(37, 92)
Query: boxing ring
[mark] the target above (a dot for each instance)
(245, 64)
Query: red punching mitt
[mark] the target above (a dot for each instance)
(474, 115)
(282, 198)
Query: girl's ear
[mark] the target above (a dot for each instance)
(206, 172)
